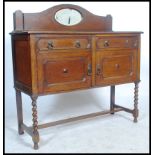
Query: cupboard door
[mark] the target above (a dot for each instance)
(64, 72)
(115, 67)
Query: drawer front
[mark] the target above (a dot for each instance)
(117, 42)
(115, 67)
(51, 43)
(58, 72)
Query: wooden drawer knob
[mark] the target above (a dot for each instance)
(77, 44)
(65, 70)
(106, 43)
(50, 44)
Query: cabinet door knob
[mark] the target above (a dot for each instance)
(77, 44)
(98, 69)
(50, 45)
(89, 69)
(106, 43)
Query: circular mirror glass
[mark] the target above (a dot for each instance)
(68, 17)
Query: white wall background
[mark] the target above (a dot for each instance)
(127, 16)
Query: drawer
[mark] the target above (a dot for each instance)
(44, 44)
(117, 42)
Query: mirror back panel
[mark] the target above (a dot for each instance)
(45, 20)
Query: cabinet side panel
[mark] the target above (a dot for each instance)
(138, 58)
(22, 61)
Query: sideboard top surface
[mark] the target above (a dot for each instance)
(77, 32)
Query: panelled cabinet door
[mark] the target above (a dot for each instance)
(114, 67)
(62, 72)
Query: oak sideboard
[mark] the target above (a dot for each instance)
(67, 48)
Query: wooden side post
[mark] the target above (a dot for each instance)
(136, 111)
(112, 98)
(35, 135)
(18, 20)
(19, 111)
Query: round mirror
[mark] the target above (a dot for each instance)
(68, 17)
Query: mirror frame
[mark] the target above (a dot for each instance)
(75, 23)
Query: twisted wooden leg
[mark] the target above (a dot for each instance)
(112, 98)
(135, 111)
(35, 136)
(19, 111)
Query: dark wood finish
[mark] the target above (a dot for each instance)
(138, 60)
(52, 58)
(115, 66)
(23, 55)
(35, 136)
(49, 43)
(136, 111)
(29, 130)
(19, 111)
(52, 75)
(112, 98)
(22, 62)
(68, 120)
(18, 20)
(107, 42)
(123, 108)
(45, 20)
(34, 66)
